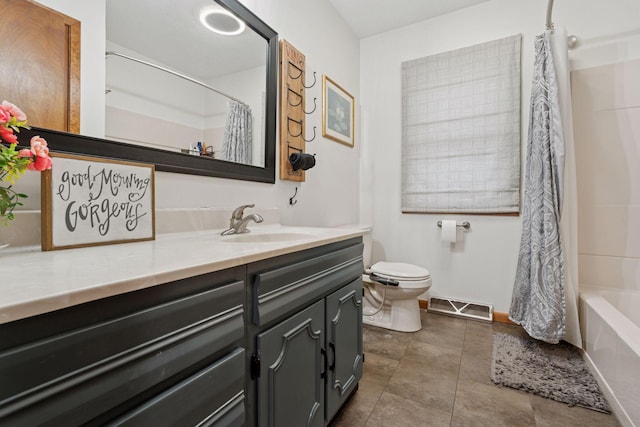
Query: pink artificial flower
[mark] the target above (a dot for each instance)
(39, 146)
(41, 163)
(25, 152)
(14, 111)
(7, 135)
(5, 115)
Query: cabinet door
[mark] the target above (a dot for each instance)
(291, 383)
(344, 344)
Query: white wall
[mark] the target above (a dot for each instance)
(330, 196)
(482, 267)
(331, 193)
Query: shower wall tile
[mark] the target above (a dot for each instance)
(609, 86)
(611, 230)
(609, 272)
(606, 112)
(607, 155)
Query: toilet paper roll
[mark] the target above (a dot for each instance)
(449, 231)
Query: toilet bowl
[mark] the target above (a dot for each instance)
(391, 291)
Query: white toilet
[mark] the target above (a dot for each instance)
(391, 291)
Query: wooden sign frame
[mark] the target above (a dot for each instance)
(90, 201)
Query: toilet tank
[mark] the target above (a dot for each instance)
(368, 247)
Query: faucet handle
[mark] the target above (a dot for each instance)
(238, 212)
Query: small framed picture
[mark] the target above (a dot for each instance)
(337, 112)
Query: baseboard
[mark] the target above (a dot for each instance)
(497, 316)
(502, 318)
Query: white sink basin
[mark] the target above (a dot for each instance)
(266, 237)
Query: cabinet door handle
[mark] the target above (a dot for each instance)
(332, 367)
(323, 351)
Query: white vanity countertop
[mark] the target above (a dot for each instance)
(34, 282)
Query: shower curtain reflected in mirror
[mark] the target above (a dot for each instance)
(545, 292)
(238, 134)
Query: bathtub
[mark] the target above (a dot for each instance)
(610, 326)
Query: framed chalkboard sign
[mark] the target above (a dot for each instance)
(89, 201)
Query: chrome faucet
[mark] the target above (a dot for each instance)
(238, 223)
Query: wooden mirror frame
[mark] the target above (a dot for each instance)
(168, 161)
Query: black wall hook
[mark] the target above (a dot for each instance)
(315, 105)
(291, 201)
(315, 80)
(313, 137)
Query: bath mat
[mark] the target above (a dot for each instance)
(555, 371)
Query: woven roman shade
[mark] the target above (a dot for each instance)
(461, 130)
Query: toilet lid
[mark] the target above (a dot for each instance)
(400, 271)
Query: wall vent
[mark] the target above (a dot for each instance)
(453, 307)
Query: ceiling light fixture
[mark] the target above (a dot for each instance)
(222, 22)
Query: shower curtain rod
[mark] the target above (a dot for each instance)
(549, 14)
(182, 76)
(572, 41)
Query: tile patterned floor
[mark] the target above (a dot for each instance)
(439, 376)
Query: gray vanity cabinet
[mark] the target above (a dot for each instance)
(273, 343)
(171, 354)
(306, 320)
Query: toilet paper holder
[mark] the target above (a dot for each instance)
(466, 225)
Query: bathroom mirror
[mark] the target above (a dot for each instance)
(149, 118)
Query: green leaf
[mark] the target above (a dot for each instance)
(9, 199)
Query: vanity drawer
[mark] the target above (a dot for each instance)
(278, 288)
(71, 377)
(212, 397)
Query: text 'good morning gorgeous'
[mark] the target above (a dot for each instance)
(95, 196)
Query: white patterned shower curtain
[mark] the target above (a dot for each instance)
(238, 134)
(545, 292)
